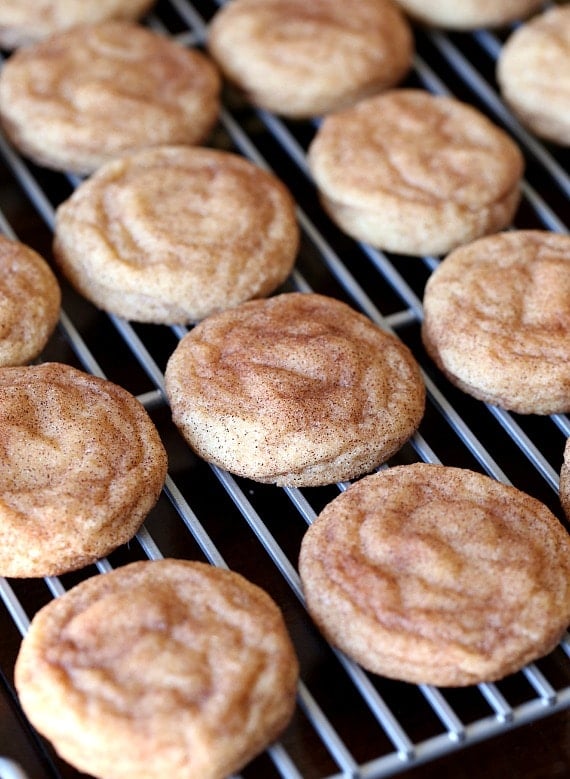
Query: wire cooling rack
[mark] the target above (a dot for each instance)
(348, 723)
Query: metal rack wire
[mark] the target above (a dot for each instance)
(348, 723)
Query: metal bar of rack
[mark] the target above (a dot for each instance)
(349, 723)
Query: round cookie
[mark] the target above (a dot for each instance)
(298, 389)
(415, 173)
(30, 300)
(437, 575)
(533, 73)
(302, 59)
(172, 234)
(82, 465)
(497, 320)
(87, 95)
(469, 14)
(565, 480)
(159, 668)
(26, 21)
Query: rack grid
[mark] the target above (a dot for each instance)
(348, 723)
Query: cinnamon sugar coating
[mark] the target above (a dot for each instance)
(26, 21)
(87, 95)
(415, 173)
(497, 320)
(533, 72)
(82, 465)
(302, 59)
(162, 668)
(299, 389)
(172, 234)
(469, 14)
(30, 300)
(438, 575)
(565, 480)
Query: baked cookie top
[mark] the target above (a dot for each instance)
(533, 72)
(497, 320)
(437, 575)
(30, 300)
(299, 389)
(469, 14)
(172, 234)
(302, 59)
(84, 96)
(159, 665)
(82, 465)
(25, 21)
(415, 173)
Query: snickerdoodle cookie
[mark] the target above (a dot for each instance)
(565, 480)
(497, 320)
(30, 300)
(159, 668)
(437, 575)
(172, 234)
(533, 72)
(299, 389)
(81, 97)
(26, 21)
(469, 14)
(302, 59)
(82, 465)
(415, 173)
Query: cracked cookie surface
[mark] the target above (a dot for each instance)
(415, 173)
(87, 95)
(298, 389)
(159, 668)
(302, 59)
(438, 575)
(497, 320)
(172, 234)
(533, 72)
(82, 465)
(30, 300)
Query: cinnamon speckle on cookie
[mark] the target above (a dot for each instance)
(159, 668)
(30, 300)
(302, 59)
(174, 233)
(497, 320)
(87, 95)
(438, 575)
(415, 173)
(82, 465)
(298, 389)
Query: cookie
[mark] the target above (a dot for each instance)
(26, 21)
(497, 320)
(87, 95)
(469, 14)
(302, 59)
(437, 575)
(159, 668)
(299, 389)
(533, 73)
(415, 173)
(82, 465)
(565, 480)
(30, 300)
(172, 234)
